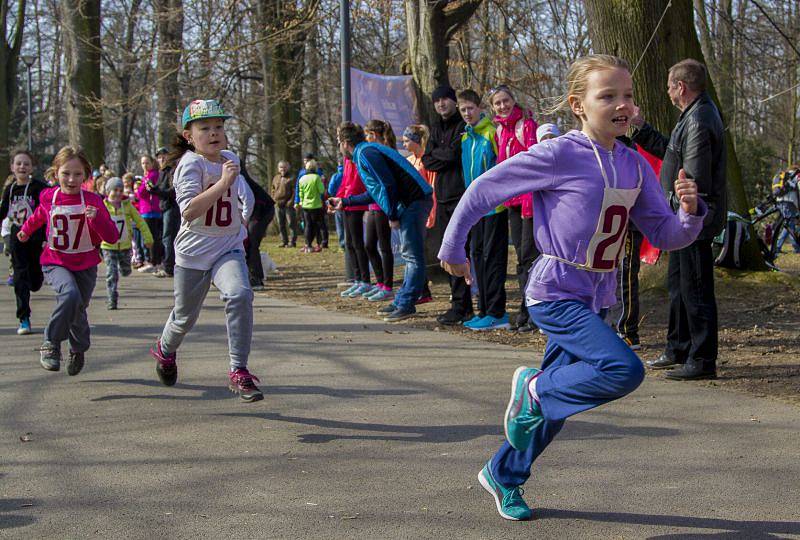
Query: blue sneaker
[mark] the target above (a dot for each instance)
(490, 323)
(345, 293)
(24, 327)
(510, 504)
(361, 289)
(373, 289)
(523, 414)
(474, 320)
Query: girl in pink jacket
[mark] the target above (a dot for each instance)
(76, 223)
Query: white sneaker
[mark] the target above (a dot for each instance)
(146, 268)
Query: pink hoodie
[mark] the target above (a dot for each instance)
(508, 145)
(101, 228)
(351, 185)
(148, 202)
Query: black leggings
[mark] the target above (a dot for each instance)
(28, 275)
(379, 247)
(354, 243)
(313, 219)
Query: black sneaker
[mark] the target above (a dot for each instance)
(166, 366)
(399, 314)
(387, 309)
(111, 305)
(50, 357)
(74, 363)
(453, 318)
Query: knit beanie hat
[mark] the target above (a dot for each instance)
(443, 91)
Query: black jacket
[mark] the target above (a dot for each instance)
(443, 155)
(14, 191)
(263, 204)
(165, 190)
(696, 145)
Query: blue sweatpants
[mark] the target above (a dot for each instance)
(585, 365)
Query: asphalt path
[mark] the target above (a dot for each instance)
(367, 430)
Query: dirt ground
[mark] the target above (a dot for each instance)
(759, 314)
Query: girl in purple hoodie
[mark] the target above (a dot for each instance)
(585, 187)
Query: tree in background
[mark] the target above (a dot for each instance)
(9, 65)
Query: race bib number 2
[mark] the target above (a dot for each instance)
(613, 225)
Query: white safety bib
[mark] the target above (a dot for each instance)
(19, 209)
(69, 232)
(224, 217)
(122, 226)
(605, 246)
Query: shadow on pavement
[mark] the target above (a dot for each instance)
(447, 434)
(754, 530)
(221, 392)
(11, 521)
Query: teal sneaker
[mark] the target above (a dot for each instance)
(474, 320)
(345, 293)
(358, 291)
(510, 504)
(523, 414)
(24, 327)
(490, 323)
(373, 289)
(381, 296)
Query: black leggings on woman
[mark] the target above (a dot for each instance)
(313, 219)
(354, 243)
(379, 247)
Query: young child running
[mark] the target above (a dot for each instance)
(76, 222)
(20, 199)
(209, 247)
(573, 282)
(117, 255)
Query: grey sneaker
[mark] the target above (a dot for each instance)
(74, 363)
(50, 357)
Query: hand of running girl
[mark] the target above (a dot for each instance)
(230, 172)
(686, 191)
(22, 237)
(458, 270)
(91, 212)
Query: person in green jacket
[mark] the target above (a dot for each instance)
(311, 192)
(118, 256)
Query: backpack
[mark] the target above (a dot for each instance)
(731, 240)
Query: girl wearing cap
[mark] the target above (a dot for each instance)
(117, 255)
(76, 222)
(20, 198)
(516, 132)
(150, 209)
(215, 203)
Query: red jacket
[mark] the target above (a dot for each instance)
(351, 185)
(517, 125)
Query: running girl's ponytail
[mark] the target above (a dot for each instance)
(384, 131)
(180, 145)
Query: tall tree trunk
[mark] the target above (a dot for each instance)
(430, 26)
(169, 17)
(610, 24)
(9, 62)
(84, 105)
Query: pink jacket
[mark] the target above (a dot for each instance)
(101, 228)
(508, 145)
(148, 202)
(351, 185)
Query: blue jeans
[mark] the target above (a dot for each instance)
(412, 240)
(339, 219)
(585, 365)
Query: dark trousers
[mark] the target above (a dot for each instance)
(354, 242)
(172, 223)
(692, 334)
(313, 218)
(461, 301)
(628, 322)
(256, 230)
(322, 230)
(490, 259)
(28, 276)
(287, 216)
(525, 247)
(379, 247)
(153, 254)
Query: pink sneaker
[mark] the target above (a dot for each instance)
(166, 367)
(242, 383)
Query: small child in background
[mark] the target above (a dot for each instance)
(76, 223)
(117, 255)
(311, 191)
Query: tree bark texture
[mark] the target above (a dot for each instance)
(622, 28)
(9, 65)
(81, 19)
(169, 17)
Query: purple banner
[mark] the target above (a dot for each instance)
(390, 98)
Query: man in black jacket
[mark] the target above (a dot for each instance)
(443, 155)
(697, 147)
(169, 211)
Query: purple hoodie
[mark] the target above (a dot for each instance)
(567, 187)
